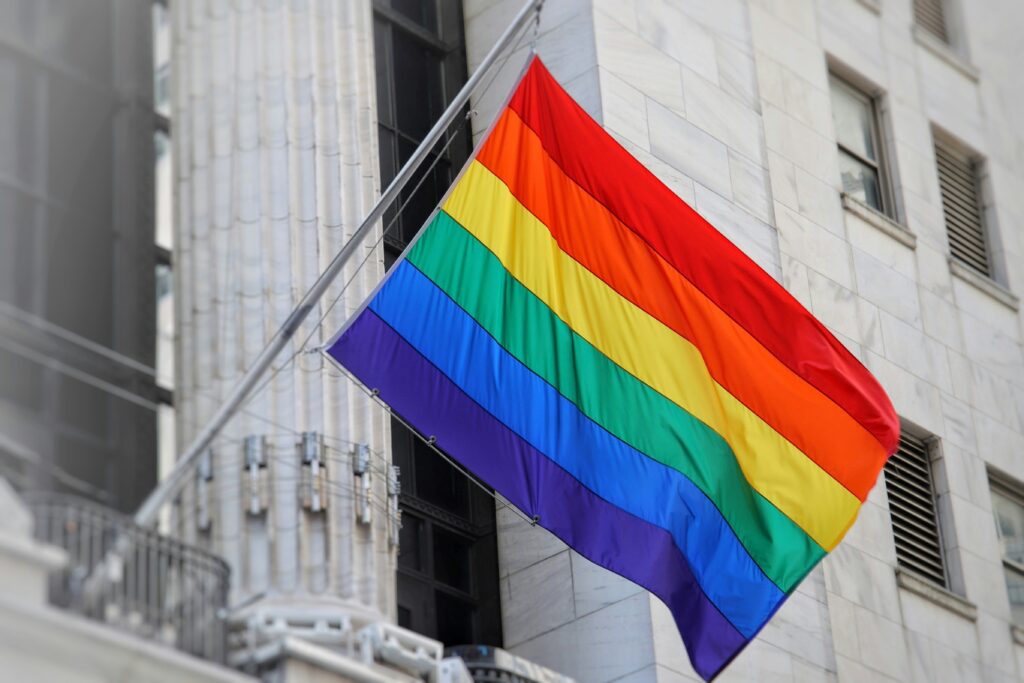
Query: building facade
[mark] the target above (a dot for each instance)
(77, 325)
(866, 153)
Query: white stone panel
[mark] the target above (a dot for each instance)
(602, 646)
(662, 23)
(595, 587)
(693, 151)
(540, 599)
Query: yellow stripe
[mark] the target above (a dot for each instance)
(655, 354)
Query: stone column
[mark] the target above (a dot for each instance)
(276, 163)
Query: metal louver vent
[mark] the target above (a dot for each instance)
(958, 182)
(929, 15)
(915, 521)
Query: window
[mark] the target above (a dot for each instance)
(163, 188)
(861, 162)
(447, 563)
(912, 507)
(161, 58)
(1008, 507)
(163, 235)
(961, 205)
(930, 15)
(420, 67)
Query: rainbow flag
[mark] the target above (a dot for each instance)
(581, 339)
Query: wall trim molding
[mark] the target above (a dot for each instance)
(879, 221)
(942, 597)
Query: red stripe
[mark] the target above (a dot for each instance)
(737, 285)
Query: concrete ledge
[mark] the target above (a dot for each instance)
(873, 5)
(40, 643)
(879, 221)
(985, 284)
(45, 557)
(940, 596)
(945, 53)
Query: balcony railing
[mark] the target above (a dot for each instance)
(488, 664)
(132, 578)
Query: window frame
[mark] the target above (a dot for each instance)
(477, 527)
(872, 98)
(1005, 487)
(948, 145)
(420, 590)
(442, 45)
(933, 455)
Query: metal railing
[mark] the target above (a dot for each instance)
(153, 587)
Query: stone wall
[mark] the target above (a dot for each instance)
(728, 103)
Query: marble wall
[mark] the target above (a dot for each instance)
(728, 103)
(275, 153)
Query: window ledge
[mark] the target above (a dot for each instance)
(985, 284)
(945, 53)
(873, 5)
(879, 221)
(940, 596)
(1017, 633)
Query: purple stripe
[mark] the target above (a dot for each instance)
(601, 532)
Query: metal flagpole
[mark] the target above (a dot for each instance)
(172, 483)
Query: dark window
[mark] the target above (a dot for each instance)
(420, 67)
(447, 559)
(913, 509)
(447, 562)
(961, 206)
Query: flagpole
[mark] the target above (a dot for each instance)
(171, 484)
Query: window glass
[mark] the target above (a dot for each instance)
(161, 59)
(438, 483)
(163, 178)
(854, 121)
(1015, 589)
(418, 94)
(861, 161)
(1010, 524)
(1009, 517)
(454, 620)
(860, 181)
(452, 560)
(423, 12)
(164, 326)
(409, 552)
(382, 67)
(166, 453)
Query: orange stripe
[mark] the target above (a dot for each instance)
(590, 234)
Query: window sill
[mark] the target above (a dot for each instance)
(1017, 633)
(945, 53)
(879, 221)
(873, 5)
(985, 284)
(940, 596)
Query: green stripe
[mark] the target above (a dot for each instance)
(613, 398)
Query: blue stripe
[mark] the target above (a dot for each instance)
(450, 339)
(598, 530)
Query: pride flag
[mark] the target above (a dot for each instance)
(576, 335)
